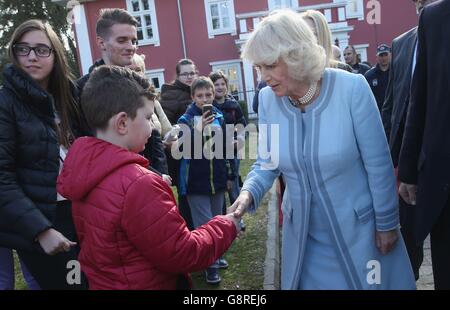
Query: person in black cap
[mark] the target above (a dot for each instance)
(378, 76)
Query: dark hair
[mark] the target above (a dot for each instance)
(201, 82)
(183, 62)
(60, 83)
(352, 48)
(110, 17)
(111, 90)
(217, 75)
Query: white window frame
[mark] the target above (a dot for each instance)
(362, 50)
(152, 12)
(235, 64)
(349, 12)
(231, 15)
(156, 74)
(293, 4)
(359, 12)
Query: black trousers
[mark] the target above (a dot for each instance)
(415, 251)
(51, 271)
(440, 249)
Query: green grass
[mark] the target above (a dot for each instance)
(245, 258)
(20, 281)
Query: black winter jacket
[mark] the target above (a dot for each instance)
(29, 159)
(83, 80)
(175, 98)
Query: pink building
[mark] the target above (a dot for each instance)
(211, 32)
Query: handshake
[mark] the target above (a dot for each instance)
(237, 210)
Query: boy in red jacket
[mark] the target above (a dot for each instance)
(130, 231)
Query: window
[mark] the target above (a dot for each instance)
(145, 13)
(232, 70)
(353, 8)
(361, 50)
(157, 78)
(279, 4)
(220, 17)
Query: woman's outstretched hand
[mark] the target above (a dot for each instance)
(241, 204)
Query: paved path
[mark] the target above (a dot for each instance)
(425, 281)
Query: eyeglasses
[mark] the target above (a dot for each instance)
(25, 50)
(186, 74)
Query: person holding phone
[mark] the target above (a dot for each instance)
(203, 180)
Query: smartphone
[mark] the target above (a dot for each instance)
(206, 108)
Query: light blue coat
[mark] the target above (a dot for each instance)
(333, 157)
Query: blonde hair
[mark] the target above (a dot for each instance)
(283, 35)
(139, 61)
(322, 30)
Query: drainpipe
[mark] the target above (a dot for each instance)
(181, 29)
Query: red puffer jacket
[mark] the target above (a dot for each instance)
(130, 232)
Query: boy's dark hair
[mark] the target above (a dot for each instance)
(217, 75)
(110, 17)
(202, 82)
(111, 90)
(183, 62)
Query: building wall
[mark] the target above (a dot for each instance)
(201, 49)
(170, 50)
(396, 17)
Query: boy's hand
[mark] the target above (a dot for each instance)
(53, 242)
(235, 221)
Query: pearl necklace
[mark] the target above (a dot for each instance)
(307, 97)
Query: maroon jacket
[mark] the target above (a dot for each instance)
(130, 231)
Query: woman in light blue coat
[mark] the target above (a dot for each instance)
(324, 134)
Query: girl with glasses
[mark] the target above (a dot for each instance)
(39, 119)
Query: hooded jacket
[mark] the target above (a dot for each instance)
(130, 231)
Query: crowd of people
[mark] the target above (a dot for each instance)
(87, 165)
